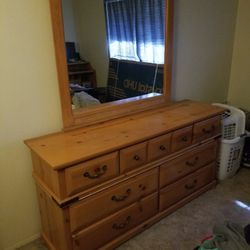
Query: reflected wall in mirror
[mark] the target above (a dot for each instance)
(114, 49)
(111, 62)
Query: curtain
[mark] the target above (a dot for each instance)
(136, 29)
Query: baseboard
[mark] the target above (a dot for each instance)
(24, 242)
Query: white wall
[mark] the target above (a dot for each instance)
(29, 107)
(69, 21)
(204, 32)
(91, 30)
(239, 90)
(29, 100)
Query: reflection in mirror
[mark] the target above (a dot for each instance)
(114, 48)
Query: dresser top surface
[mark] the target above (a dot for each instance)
(63, 149)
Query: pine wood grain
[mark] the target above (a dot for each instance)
(63, 149)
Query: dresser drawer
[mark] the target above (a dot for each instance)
(181, 138)
(159, 147)
(133, 156)
(117, 224)
(94, 208)
(90, 173)
(187, 163)
(184, 187)
(206, 129)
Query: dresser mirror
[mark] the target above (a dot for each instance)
(113, 57)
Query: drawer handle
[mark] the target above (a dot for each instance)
(162, 148)
(122, 225)
(193, 163)
(121, 197)
(208, 131)
(142, 187)
(184, 139)
(137, 157)
(191, 186)
(98, 173)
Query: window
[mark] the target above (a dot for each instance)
(135, 29)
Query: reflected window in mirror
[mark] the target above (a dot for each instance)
(135, 30)
(114, 48)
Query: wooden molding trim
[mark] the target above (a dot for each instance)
(60, 53)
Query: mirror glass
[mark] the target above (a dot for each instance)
(114, 48)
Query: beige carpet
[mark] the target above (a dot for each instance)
(183, 229)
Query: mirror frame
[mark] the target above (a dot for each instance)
(107, 111)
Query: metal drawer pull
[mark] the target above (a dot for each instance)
(98, 173)
(122, 225)
(191, 186)
(137, 157)
(208, 131)
(142, 187)
(121, 197)
(185, 138)
(162, 148)
(192, 164)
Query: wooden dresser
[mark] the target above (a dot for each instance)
(100, 185)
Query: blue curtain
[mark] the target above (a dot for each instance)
(135, 29)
